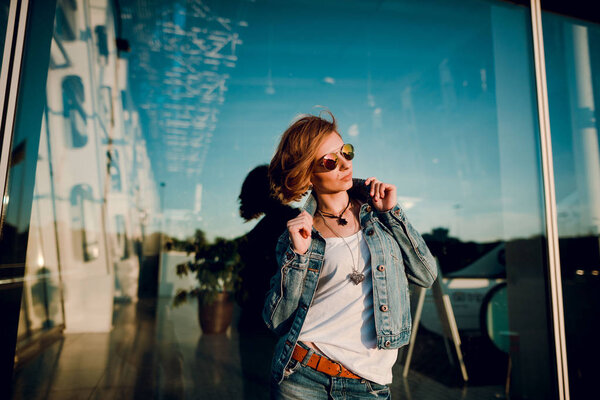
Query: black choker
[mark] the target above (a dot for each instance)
(340, 220)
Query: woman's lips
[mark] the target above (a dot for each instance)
(347, 177)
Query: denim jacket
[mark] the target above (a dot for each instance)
(398, 254)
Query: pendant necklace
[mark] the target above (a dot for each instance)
(340, 220)
(356, 277)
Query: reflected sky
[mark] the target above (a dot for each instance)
(412, 84)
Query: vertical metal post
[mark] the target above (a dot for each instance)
(550, 202)
(421, 291)
(9, 82)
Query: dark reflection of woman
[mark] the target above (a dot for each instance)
(43, 294)
(257, 251)
(339, 300)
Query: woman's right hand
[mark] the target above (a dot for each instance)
(299, 229)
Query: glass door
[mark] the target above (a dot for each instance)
(573, 75)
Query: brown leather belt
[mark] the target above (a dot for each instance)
(323, 364)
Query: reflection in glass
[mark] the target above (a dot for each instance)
(74, 113)
(65, 24)
(42, 299)
(494, 313)
(99, 184)
(122, 237)
(83, 219)
(101, 40)
(114, 171)
(573, 73)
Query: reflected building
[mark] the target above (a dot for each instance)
(94, 194)
(128, 126)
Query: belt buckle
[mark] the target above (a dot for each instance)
(341, 369)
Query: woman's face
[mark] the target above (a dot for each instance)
(339, 179)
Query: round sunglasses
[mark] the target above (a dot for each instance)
(331, 160)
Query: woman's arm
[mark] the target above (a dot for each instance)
(282, 299)
(421, 267)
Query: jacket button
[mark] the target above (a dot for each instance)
(368, 209)
(289, 255)
(388, 343)
(381, 268)
(383, 308)
(369, 232)
(397, 212)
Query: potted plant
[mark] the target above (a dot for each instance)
(216, 267)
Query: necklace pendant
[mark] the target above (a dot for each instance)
(342, 221)
(357, 277)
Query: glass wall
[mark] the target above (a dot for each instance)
(437, 97)
(573, 70)
(145, 145)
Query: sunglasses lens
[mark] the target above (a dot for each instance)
(348, 151)
(330, 161)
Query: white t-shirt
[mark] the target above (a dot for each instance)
(340, 321)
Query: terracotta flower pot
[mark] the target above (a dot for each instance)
(216, 316)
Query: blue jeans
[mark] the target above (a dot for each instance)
(303, 383)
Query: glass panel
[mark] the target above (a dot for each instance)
(39, 297)
(149, 150)
(437, 97)
(42, 298)
(83, 218)
(73, 103)
(70, 272)
(66, 23)
(114, 171)
(573, 70)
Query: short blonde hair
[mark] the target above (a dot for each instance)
(293, 162)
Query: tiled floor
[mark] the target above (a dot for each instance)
(156, 351)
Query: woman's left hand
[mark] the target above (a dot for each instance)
(383, 194)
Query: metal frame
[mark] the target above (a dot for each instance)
(554, 269)
(10, 26)
(9, 83)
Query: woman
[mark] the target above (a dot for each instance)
(340, 301)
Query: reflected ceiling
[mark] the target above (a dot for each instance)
(182, 55)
